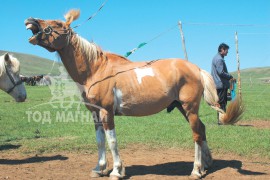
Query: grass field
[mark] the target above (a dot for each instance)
(163, 130)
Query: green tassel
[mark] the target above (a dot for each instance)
(128, 53)
(142, 44)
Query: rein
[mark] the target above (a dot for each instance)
(12, 80)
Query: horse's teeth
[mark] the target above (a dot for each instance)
(29, 26)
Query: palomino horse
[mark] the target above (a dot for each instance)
(10, 80)
(122, 87)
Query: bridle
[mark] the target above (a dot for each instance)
(49, 29)
(48, 32)
(12, 80)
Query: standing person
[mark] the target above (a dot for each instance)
(221, 76)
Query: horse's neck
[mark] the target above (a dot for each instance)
(83, 59)
(80, 62)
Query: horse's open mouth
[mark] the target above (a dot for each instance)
(33, 25)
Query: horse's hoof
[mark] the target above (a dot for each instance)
(113, 177)
(194, 176)
(95, 174)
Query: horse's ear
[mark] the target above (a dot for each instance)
(72, 15)
(7, 58)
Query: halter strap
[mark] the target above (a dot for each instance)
(48, 32)
(12, 80)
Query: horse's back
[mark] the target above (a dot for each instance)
(115, 58)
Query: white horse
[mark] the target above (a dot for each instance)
(10, 80)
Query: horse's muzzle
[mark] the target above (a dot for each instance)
(34, 26)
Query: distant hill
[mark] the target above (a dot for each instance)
(255, 75)
(34, 65)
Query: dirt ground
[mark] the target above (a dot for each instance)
(259, 124)
(141, 163)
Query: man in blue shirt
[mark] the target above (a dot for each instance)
(221, 76)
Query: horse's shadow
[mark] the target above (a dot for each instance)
(30, 160)
(183, 168)
(245, 125)
(8, 147)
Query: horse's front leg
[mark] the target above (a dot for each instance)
(108, 124)
(101, 168)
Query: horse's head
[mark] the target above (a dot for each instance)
(10, 80)
(53, 35)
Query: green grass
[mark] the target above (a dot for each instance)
(160, 131)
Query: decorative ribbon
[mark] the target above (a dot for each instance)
(133, 50)
(144, 43)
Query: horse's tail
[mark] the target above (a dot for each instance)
(235, 108)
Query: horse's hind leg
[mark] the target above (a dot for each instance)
(206, 154)
(203, 158)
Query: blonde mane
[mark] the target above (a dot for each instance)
(15, 67)
(91, 50)
(2, 65)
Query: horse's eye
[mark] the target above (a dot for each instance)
(47, 30)
(59, 24)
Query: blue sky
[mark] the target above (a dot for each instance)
(123, 24)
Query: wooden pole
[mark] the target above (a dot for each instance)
(238, 66)
(183, 40)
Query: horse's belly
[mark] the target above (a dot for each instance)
(140, 110)
(143, 106)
